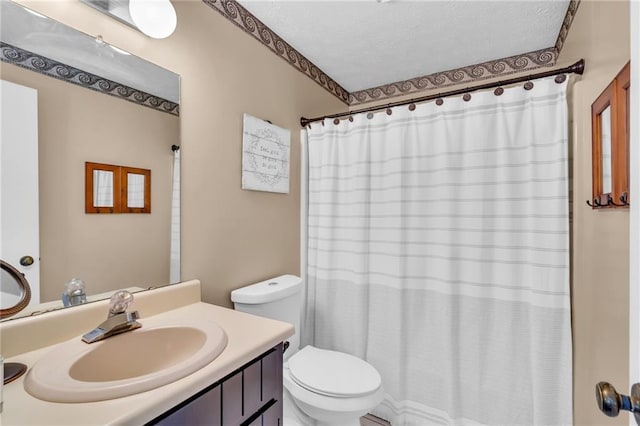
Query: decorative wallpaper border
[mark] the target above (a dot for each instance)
(566, 24)
(43, 65)
(468, 74)
(240, 16)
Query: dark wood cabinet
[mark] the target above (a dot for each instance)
(249, 396)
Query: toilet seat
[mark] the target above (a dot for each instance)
(332, 373)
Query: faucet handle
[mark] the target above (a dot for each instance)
(119, 302)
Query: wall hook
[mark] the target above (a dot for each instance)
(595, 203)
(625, 199)
(610, 202)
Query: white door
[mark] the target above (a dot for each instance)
(19, 227)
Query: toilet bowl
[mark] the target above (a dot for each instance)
(333, 388)
(327, 387)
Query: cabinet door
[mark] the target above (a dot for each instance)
(272, 375)
(252, 378)
(232, 400)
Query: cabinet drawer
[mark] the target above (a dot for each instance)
(204, 410)
(273, 416)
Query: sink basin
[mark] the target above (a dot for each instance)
(159, 349)
(125, 364)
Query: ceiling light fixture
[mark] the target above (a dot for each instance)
(154, 18)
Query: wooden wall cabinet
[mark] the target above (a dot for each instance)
(610, 149)
(116, 189)
(249, 396)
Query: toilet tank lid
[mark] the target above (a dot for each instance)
(267, 290)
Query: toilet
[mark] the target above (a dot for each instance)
(322, 387)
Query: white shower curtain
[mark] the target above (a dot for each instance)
(437, 249)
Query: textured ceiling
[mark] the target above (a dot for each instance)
(367, 43)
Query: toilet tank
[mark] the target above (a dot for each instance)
(278, 298)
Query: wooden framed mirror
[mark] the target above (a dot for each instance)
(16, 292)
(610, 144)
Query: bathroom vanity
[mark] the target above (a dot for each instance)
(251, 395)
(242, 385)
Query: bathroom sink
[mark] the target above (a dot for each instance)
(125, 364)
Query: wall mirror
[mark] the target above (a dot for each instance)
(610, 144)
(103, 105)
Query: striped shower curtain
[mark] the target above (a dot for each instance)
(436, 247)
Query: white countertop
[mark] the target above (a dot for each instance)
(248, 337)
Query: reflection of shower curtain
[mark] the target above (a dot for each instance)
(102, 188)
(437, 249)
(174, 265)
(135, 190)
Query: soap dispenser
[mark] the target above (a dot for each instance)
(74, 292)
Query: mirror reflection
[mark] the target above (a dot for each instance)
(135, 190)
(605, 140)
(102, 188)
(74, 124)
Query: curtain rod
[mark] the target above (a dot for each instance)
(577, 68)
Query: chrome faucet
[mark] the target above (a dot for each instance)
(118, 321)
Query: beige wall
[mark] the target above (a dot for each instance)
(107, 251)
(600, 35)
(234, 237)
(230, 237)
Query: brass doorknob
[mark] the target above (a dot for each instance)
(26, 261)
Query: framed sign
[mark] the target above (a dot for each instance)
(265, 157)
